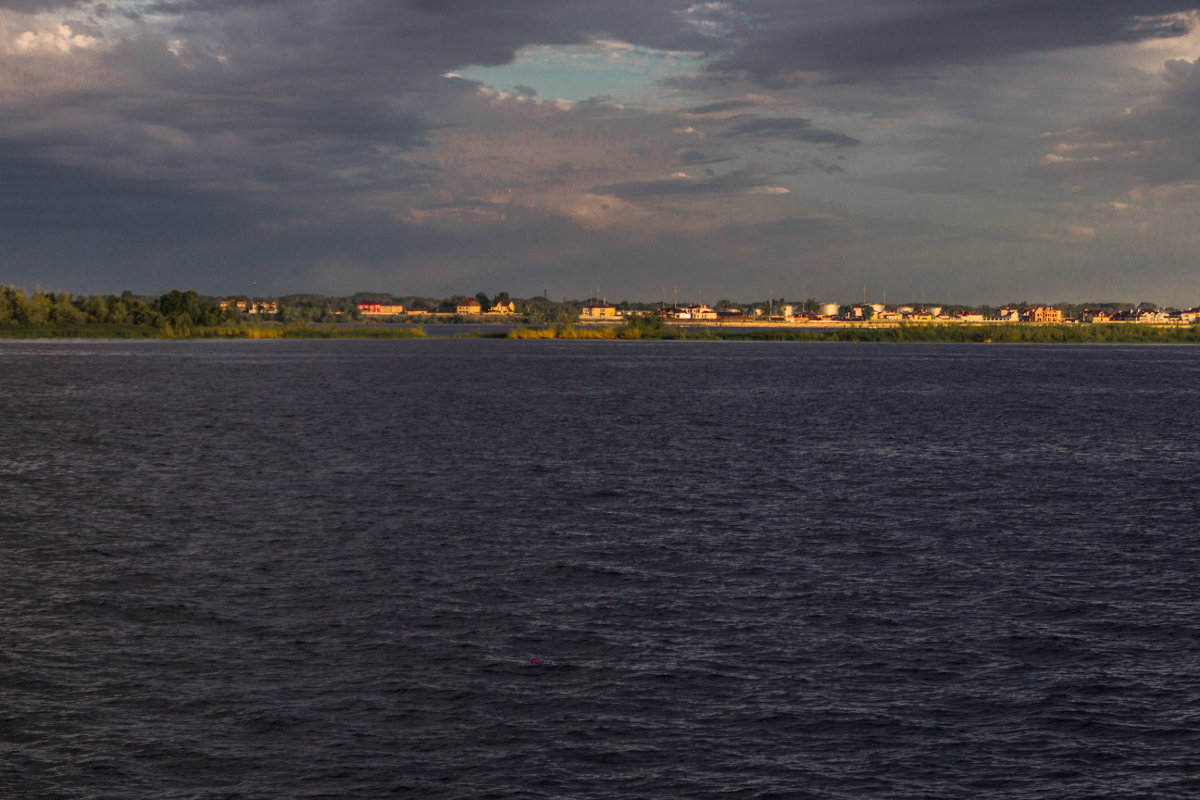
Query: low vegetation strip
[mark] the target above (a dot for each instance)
(643, 328)
(1099, 333)
(1096, 333)
(167, 331)
(639, 327)
(334, 331)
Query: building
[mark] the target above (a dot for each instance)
(693, 312)
(599, 311)
(374, 309)
(469, 306)
(251, 306)
(1096, 315)
(702, 312)
(503, 308)
(1041, 314)
(1152, 316)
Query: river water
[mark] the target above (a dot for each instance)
(588, 569)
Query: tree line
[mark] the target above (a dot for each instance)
(175, 309)
(183, 311)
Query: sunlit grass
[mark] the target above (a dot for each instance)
(563, 332)
(1004, 333)
(105, 331)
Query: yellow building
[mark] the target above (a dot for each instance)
(601, 311)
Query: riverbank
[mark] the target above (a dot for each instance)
(1099, 333)
(264, 331)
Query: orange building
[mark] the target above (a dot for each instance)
(374, 309)
(1041, 314)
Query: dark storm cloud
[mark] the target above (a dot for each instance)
(75, 229)
(431, 36)
(795, 128)
(227, 130)
(335, 77)
(888, 35)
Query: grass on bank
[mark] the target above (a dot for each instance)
(956, 333)
(307, 332)
(635, 328)
(648, 328)
(166, 331)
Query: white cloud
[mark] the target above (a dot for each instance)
(1055, 158)
(496, 96)
(1150, 55)
(27, 36)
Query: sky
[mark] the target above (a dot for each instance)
(960, 151)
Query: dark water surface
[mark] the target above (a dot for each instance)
(320, 570)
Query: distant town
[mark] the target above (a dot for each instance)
(181, 311)
(808, 312)
(503, 309)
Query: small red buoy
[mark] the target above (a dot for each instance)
(533, 661)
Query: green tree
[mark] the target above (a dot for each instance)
(39, 309)
(14, 305)
(94, 307)
(63, 311)
(177, 306)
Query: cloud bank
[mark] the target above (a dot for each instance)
(988, 149)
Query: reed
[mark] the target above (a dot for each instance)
(563, 332)
(334, 331)
(165, 330)
(1011, 333)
